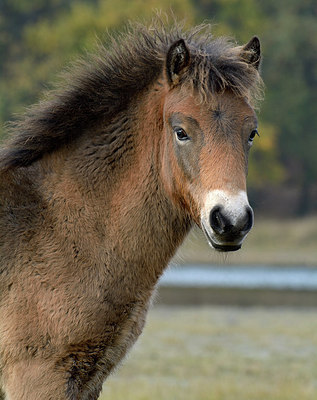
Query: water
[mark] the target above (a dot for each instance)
(256, 277)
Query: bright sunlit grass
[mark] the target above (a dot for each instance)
(217, 353)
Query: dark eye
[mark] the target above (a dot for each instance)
(181, 134)
(252, 135)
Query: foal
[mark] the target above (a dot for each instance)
(100, 183)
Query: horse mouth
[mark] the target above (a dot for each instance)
(220, 247)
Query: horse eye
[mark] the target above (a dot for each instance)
(181, 134)
(252, 135)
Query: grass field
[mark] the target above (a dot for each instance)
(270, 242)
(218, 353)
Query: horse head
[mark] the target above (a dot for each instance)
(209, 128)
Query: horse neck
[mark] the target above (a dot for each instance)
(112, 180)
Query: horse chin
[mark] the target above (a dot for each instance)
(222, 248)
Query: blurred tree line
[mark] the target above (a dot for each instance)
(38, 37)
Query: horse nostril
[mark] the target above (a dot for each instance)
(218, 222)
(223, 225)
(248, 220)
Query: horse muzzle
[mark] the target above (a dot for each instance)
(226, 219)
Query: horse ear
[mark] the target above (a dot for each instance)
(177, 61)
(251, 52)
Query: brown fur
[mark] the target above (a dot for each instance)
(94, 201)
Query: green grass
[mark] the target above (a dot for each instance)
(217, 353)
(270, 242)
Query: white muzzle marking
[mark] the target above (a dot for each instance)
(234, 207)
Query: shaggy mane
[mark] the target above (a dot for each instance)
(103, 85)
